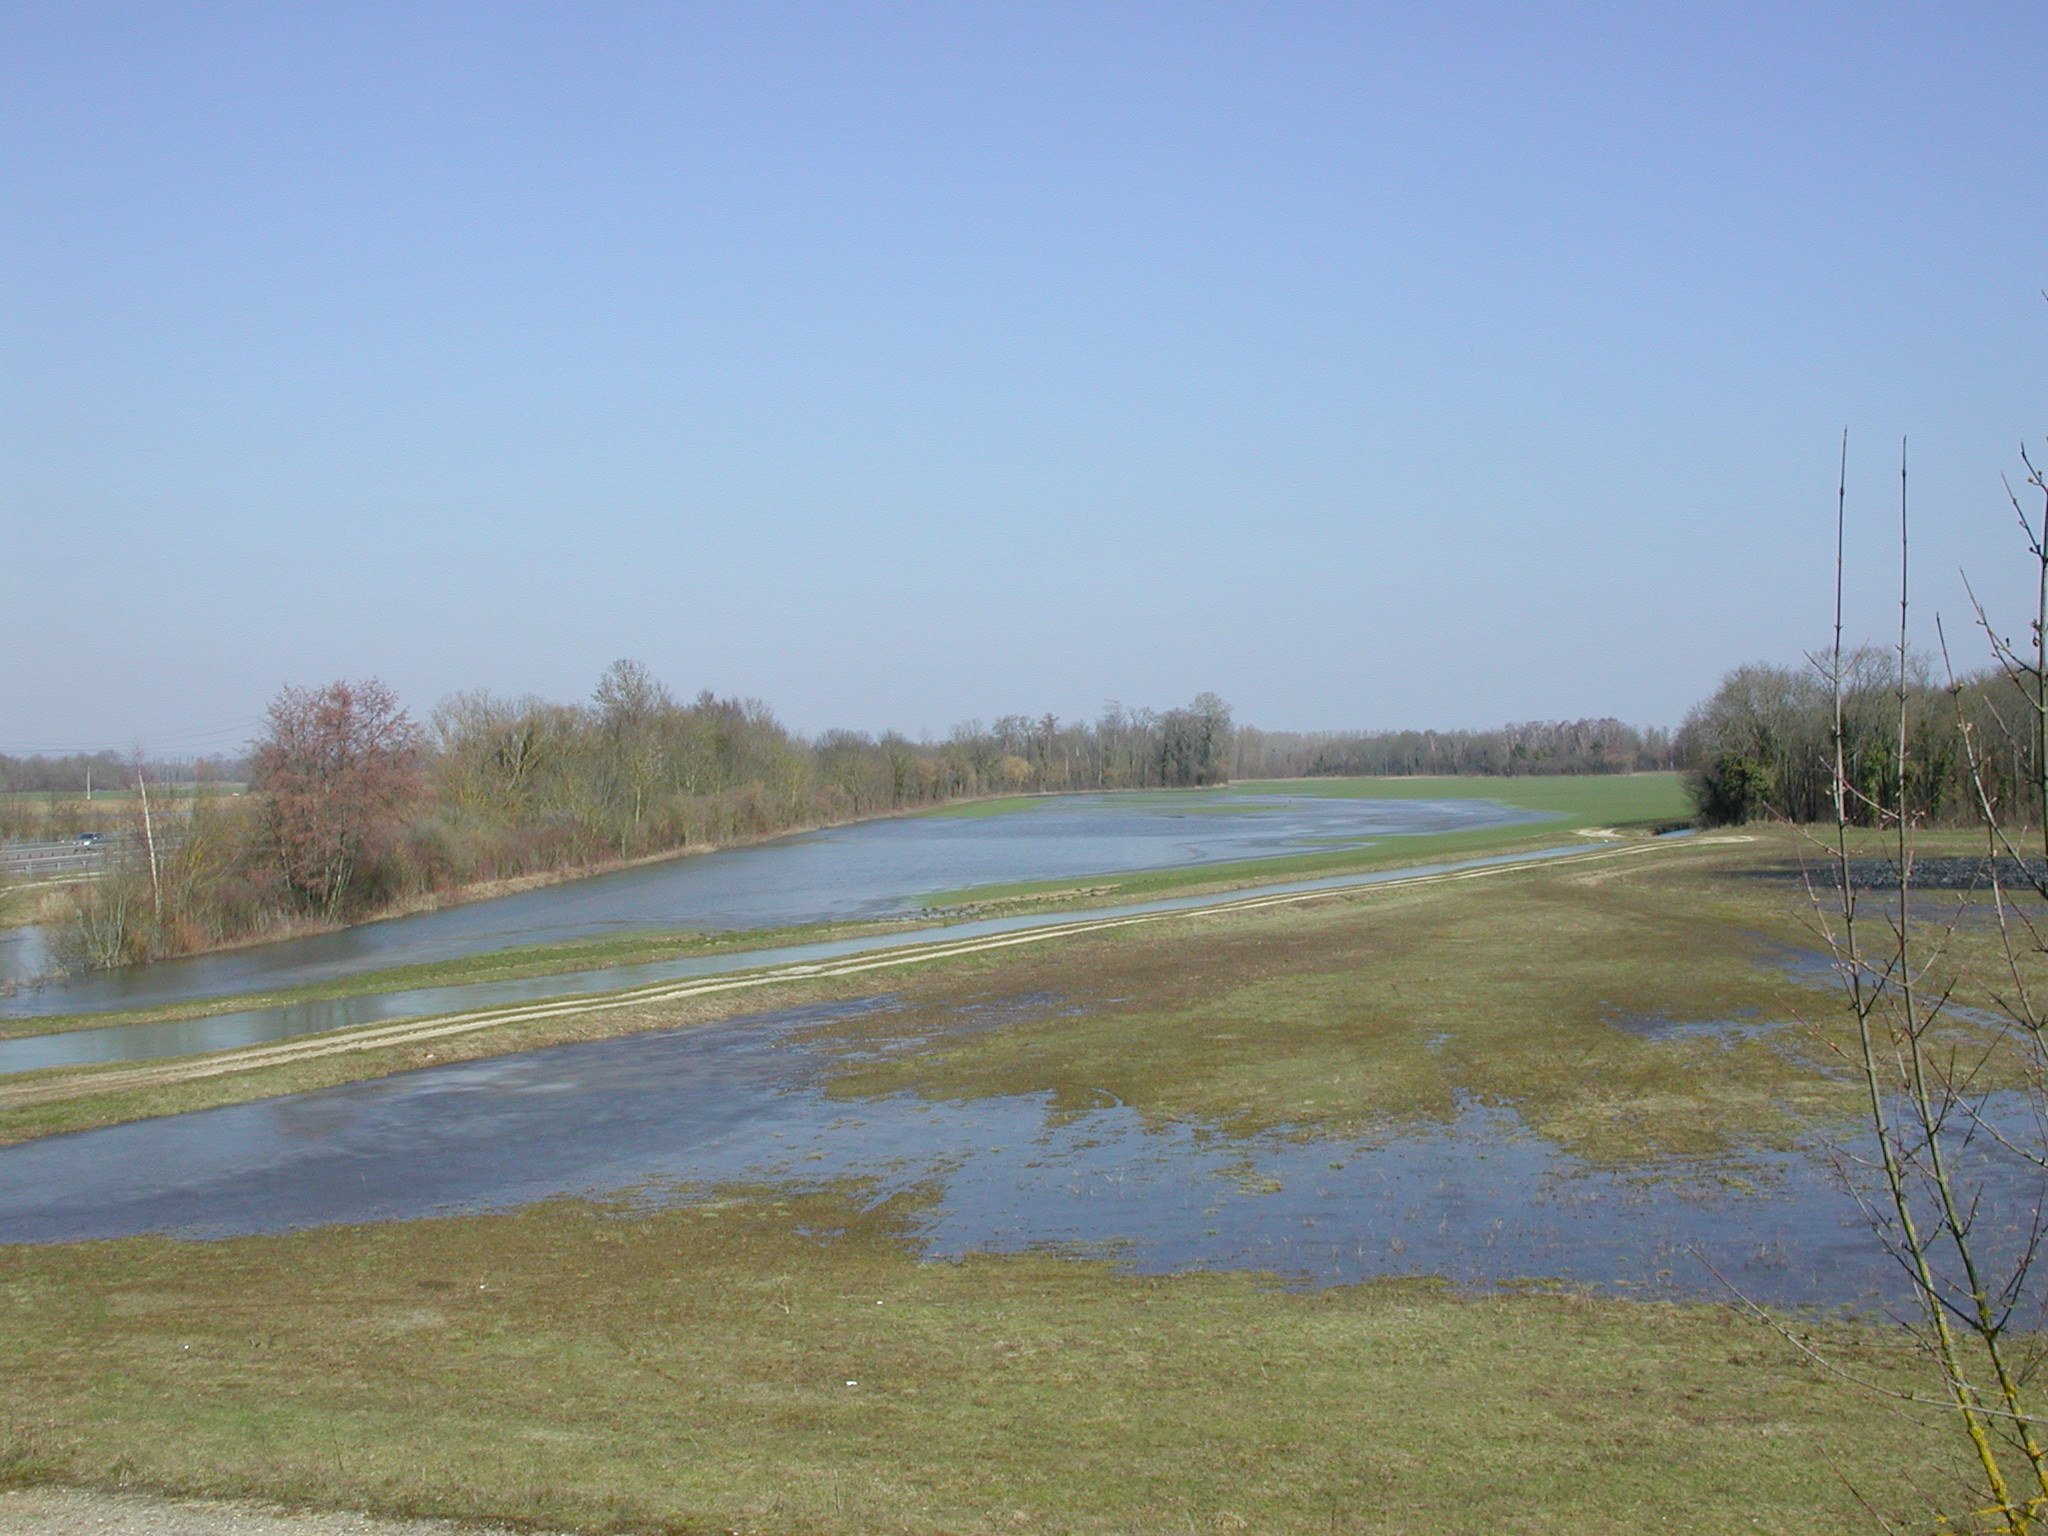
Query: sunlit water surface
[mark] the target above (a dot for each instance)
(873, 869)
(662, 1118)
(284, 1021)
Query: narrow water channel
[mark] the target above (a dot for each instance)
(256, 1026)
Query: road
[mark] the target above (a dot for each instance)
(47, 861)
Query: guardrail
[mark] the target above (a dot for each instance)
(42, 860)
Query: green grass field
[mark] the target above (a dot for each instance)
(1002, 806)
(119, 793)
(1603, 799)
(776, 1362)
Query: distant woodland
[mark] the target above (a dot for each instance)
(1545, 746)
(82, 771)
(354, 808)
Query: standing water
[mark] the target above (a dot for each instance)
(873, 869)
(663, 1118)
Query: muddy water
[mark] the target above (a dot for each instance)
(653, 1118)
(873, 869)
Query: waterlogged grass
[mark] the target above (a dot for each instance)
(1639, 802)
(1004, 805)
(1350, 859)
(1386, 1011)
(512, 964)
(1353, 1013)
(770, 1362)
(780, 1360)
(88, 1110)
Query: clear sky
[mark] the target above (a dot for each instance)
(1370, 364)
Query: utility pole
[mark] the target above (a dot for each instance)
(156, 884)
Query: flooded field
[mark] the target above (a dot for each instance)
(284, 1021)
(870, 870)
(663, 1117)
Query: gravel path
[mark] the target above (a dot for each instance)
(80, 1512)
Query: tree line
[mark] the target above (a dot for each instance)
(76, 772)
(1764, 744)
(356, 808)
(1542, 746)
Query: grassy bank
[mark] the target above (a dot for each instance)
(781, 1363)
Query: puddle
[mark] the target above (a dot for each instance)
(1731, 1031)
(654, 1118)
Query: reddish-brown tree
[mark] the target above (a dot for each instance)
(334, 772)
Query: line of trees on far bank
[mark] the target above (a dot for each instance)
(1541, 746)
(354, 808)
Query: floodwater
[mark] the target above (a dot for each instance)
(665, 1118)
(284, 1021)
(872, 869)
(24, 952)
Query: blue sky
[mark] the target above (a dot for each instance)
(1373, 365)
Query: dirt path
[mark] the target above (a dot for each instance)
(83, 1512)
(77, 1084)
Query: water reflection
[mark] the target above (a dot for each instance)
(1480, 1199)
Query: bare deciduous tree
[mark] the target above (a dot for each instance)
(333, 772)
(1953, 1091)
